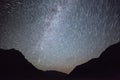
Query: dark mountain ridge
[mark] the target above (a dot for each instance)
(14, 66)
(106, 67)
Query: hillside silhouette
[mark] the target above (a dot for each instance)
(106, 67)
(14, 66)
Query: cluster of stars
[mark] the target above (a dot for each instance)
(59, 34)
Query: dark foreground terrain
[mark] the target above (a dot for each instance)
(106, 67)
(13, 66)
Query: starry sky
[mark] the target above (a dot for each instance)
(59, 34)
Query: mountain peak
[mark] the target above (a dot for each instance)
(106, 66)
(14, 66)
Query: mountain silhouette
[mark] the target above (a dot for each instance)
(14, 66)
(106, 67)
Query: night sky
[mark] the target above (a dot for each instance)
(59, 34)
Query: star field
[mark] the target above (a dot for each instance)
(59, 34)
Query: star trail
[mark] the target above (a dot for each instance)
(59, 34)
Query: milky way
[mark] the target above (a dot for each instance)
(59, 34)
